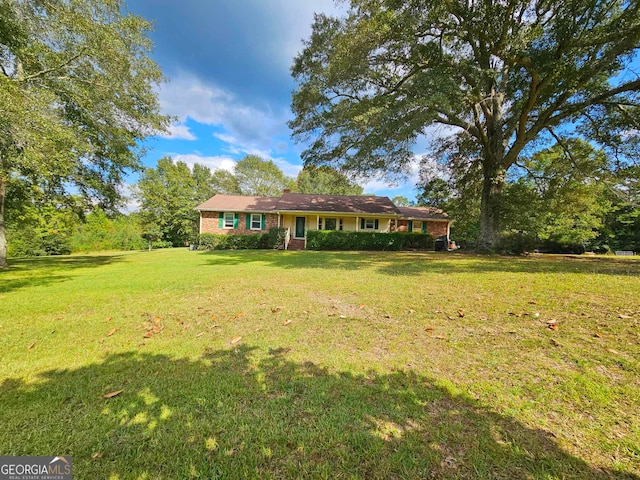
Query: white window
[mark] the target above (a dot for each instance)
(369, 224)
(256, 221)
(229, 219)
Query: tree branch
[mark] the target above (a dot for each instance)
(52, 69)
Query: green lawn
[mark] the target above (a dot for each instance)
(349, 365)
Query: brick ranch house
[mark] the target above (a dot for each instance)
(299, 213)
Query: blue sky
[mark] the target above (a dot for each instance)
(228, 65)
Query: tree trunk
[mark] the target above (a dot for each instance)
(3, 237)
(493, 180)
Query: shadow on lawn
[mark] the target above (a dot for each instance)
(234, 414)
(417, 263)
(37, 271)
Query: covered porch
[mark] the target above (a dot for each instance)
(298, 224)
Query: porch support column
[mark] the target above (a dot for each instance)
(357, 224)
(318, 221)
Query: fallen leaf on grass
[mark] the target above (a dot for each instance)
(199, 335)
(597, 335)
(147, 335)
(276, 310)
(440, 337)
(235, 340)
(361, 306)
(112, 332)
(108, 319)
(552, 326)
(344, 316)
(157, 320)
(555, 342)
(428, 329)
(31, 346)
(113, 394)
(513, 314)
(286, 322)
(96, 456)
(461, 313)
(625, 317)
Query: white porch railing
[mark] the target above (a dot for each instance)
(287, 238)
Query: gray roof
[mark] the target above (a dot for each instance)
(301, 202)
(239, 203)
(364, 204)
(423, 213)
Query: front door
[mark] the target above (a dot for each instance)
(300, 224)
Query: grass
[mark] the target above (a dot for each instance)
(349, 365)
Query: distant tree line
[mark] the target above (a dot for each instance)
(39, 222)
(564, 198)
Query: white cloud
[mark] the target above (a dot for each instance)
(294, 20)
(187, 96)
(178, 132)
(130, 204)
(215, 162)
(235, 146)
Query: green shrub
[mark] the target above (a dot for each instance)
(215, 241)
(516, 243)
(341, 240)
(100, 232)
(276, 237)
(161, 244)
(35, 242)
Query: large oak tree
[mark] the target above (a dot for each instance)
(502, 74)
(76, 96)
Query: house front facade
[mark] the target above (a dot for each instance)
(298, 213)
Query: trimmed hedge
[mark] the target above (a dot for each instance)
(218, 241)
(341, 240)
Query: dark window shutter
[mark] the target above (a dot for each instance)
(235, 220)
(221, 219)
(377, 224)
(410, 226)
(424, 227)
(362, 224)
(264, 221)
(248, 221)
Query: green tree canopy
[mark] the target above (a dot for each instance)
(76, 96)
(561, 197)
(506, 76)
(168, 195)
(263, 178)
(401, 201)
(325, 180)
